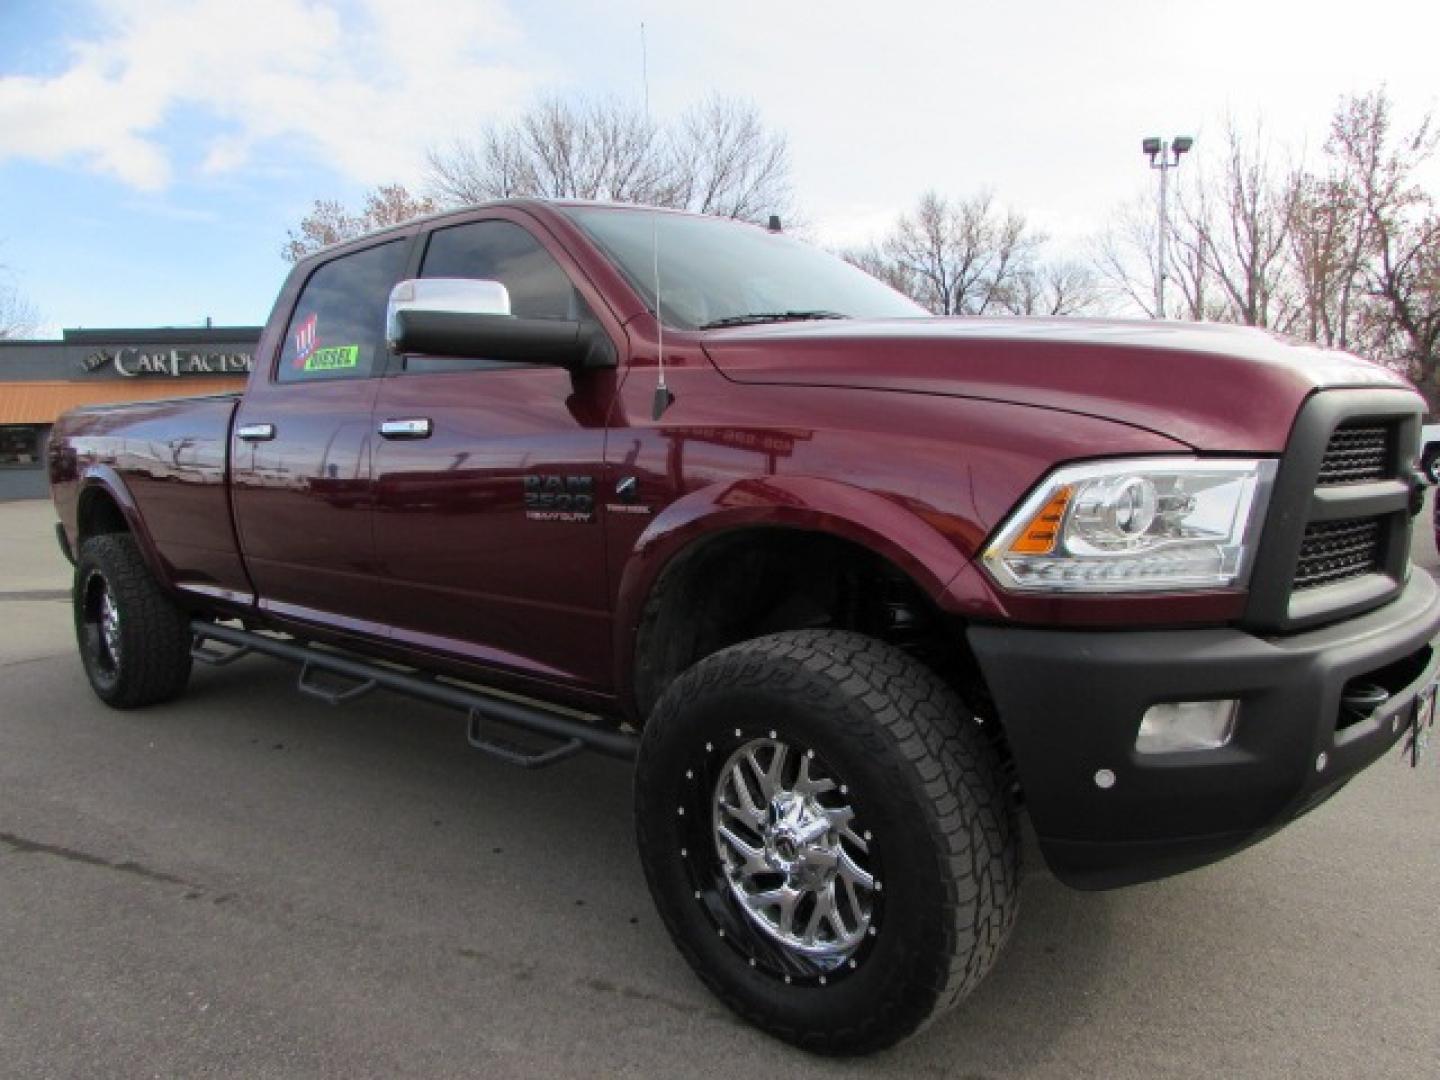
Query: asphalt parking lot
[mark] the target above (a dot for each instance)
(251, 883)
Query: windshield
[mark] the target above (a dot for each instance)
(717, 272)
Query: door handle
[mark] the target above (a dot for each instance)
(255, 432)
(414, 428)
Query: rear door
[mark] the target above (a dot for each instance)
(303, 484)
(488, 506)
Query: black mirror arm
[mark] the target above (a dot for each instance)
(500, 337)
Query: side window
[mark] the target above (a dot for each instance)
(338, 328)
(504, 252)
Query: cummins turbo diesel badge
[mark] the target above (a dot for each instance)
(559, 498)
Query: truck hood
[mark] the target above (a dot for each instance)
(1214, 387)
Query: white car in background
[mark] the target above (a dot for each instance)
(1426, 547)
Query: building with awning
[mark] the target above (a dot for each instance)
(41, 379)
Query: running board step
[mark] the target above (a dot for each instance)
(570, 734)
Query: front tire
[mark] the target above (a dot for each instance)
(134, 640)
(828, 837)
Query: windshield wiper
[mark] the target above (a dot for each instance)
(770, 316)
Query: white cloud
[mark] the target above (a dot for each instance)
(362, 86)
(851, 225)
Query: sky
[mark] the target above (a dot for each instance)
(153, 153)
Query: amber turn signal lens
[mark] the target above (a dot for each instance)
(1043, 530)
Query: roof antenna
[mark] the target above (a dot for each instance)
(663, 397)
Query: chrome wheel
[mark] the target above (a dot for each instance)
(793, 856)
(102, 623)
(110, 626)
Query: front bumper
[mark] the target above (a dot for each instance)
(1071, 703)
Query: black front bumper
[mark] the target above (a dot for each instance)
(1071, 704)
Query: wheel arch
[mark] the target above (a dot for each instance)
(676, 550)
(105, 504)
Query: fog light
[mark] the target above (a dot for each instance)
(1187, 725)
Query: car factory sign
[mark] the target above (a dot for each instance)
(132, 362)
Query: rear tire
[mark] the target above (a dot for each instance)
(884, 778)
(134, 640)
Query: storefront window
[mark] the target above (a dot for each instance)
(20, 444)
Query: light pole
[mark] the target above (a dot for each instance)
(1154, 148)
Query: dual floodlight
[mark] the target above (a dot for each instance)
(1154, 147)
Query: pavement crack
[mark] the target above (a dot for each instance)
(22, 846)
(32, 660)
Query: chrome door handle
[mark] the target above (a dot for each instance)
(255, 432)
(416, 428)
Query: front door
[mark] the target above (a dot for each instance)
(303, 444)
(487, 525)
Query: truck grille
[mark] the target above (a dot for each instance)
(1336, 550)
(1337, 537)
(1355, 455)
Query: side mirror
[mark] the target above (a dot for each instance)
(468, 317)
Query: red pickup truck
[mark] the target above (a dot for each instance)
(855, 587)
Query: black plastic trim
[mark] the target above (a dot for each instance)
(1295, 501)
(1070, 703)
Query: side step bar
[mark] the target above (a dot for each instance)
(571, 734)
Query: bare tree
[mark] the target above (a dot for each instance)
(973, 257)
(586, 150)
(1346, 254)
(965, 257)
(875, 262)
(1237, 228)
(724, 161)
(1126, 260)
(1060, 287)
(18, 317)
(1398, 233)
(718, 159)
(1328, 241)
(1232, 243)
(330, 222)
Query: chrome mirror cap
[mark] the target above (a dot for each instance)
(456, 296)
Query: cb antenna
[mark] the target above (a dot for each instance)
(663, 397)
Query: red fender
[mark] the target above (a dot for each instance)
(105, 478)
(879, 524)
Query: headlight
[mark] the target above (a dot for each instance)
(1137, 524)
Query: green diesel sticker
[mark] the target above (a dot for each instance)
(333, 358)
